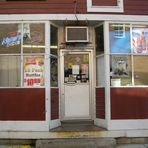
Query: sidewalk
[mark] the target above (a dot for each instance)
(133, 146)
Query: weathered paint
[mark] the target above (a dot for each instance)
(22, 104)
(129, 103)
(131, 7)
(54, 103)
(100, 103)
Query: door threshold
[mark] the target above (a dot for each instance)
(77, 126)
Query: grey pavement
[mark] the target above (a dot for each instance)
(133, 146)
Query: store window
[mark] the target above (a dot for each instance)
(54, 56)
(22, 49)
(10, 49)
(128, 54)
(99, 42)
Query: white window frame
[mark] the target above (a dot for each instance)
(131, 24)
(118, 8)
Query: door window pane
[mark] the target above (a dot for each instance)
(76, 68)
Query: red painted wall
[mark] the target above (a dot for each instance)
(129, 103)
(100, 103)
(22, 104)
(133, 7)
(104, 2)
(54, 103)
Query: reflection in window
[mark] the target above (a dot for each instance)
(10, 38)
(34, 34)
(141, 70)
(120, 41)
(100, 71)
(120, 70)
(10, 73)
(54, 56)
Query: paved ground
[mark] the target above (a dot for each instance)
(133, 146)
(119, 146)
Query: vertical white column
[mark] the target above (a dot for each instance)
(107, 74)
(47, 73)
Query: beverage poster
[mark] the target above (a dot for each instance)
(140, 40)
(34, 71)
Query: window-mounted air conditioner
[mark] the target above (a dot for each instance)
(77, 34)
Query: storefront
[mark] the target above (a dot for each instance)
(57, 67)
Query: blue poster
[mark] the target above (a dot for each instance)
(120, 44)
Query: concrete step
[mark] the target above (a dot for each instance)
(77, 122)
(77, 143)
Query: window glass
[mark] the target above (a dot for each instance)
(100, 73)
(54, 56)
(34, 50)
(10, 73)
(141, 70)
(76, 68)
(120, 41)
(120, 70)
(34, 34)
(34, 71)
(140, 39)
(99, 40)
(10, 38)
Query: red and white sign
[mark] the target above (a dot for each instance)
(34, 71)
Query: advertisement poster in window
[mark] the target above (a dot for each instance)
(140, 40)
(33, 71)
(120, 66)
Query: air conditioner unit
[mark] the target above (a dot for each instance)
(77, 34)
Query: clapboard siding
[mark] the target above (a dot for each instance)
(136, 7)
(100, 103)
(133, 7)
(48, 6)
(105, 2)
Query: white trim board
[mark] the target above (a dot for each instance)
(63, 17)
(118, 8)
(136, 124)
(24, 126)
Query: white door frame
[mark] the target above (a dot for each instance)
(91, 81)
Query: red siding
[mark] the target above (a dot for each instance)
(49, 6)
(22, 104)
(100, 103)
(133, 7)
(129, 103)
(136, 7)
(104, 2)
(54, 103)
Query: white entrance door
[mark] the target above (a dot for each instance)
(75, 85)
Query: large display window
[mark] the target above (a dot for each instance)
(22, 49)
(128, 54)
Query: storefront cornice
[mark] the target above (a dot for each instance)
(71, 17)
